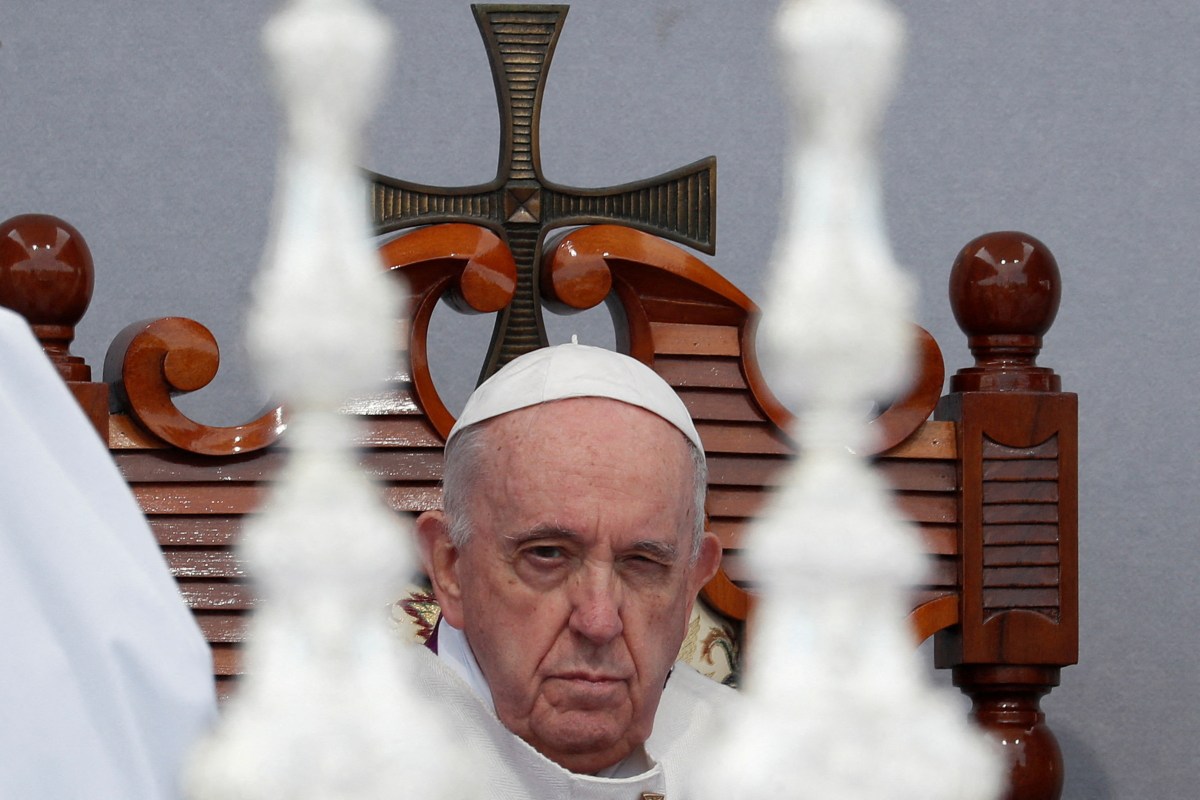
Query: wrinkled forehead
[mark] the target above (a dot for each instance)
(591, 458)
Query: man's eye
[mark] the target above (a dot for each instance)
(644, 563)
(545, 553)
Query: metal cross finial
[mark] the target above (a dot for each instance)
(520, 203)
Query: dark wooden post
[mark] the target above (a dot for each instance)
(1017, 440)
(46, 275)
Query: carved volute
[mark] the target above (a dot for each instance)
(1004, 290)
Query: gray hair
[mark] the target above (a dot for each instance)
(460, 475)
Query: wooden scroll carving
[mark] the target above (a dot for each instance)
(152, 360)
(47, 275)
(467, 266)
(696, 329)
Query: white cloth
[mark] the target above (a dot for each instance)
(453, 649)
(106, 679)
(689, 712)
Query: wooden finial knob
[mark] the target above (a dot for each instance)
(1004, 291)
(46, 275)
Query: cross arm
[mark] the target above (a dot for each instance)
(676, 205)
(397, 204)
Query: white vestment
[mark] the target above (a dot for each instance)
(510, 769)
(106, 679)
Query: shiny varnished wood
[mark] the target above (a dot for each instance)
(693, 327)
(662, 297)
(1006, 702)
(1018, 461)
(153, 360)
(1005, 290)
(990, 485)
(47, 276)
(467, 266)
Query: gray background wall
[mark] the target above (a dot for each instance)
(150, 127)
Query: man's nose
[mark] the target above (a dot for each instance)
(596, 608)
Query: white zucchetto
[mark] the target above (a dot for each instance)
(572, 370)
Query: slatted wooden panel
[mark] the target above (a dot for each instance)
(747, 452)
(196, 505)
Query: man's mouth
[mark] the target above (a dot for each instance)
(588, 677)
(589, 690)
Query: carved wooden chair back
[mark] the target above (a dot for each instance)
(989, 480)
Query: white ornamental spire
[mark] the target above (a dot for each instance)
(836, 703)
(325, 709)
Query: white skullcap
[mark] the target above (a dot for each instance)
(575, 370)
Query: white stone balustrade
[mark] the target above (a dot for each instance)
(324, 709)
(836, 703)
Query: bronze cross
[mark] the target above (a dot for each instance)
(519, 203)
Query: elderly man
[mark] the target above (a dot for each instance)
(566, 563)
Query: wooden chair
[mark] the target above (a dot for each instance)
(987, 472)
(990, 480)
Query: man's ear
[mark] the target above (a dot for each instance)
(439, 558)
(708, 561)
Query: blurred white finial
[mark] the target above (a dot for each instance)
(836, 704)
(324, 709)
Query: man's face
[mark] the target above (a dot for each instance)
(575, 587)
